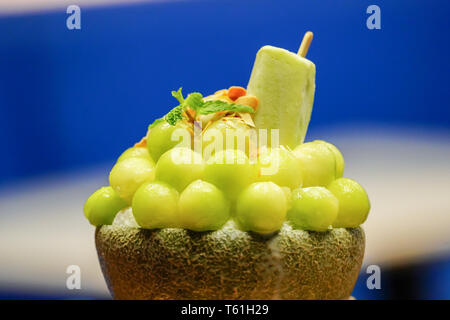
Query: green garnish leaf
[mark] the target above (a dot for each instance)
(217, 105)
(178, 95)
(194, 100)
(155, 123)
(174, 115)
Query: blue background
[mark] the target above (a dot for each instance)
(73, 98)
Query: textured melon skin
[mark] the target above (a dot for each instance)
(229, 263)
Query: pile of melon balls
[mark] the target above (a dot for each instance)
(168, 186)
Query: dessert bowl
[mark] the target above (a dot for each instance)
(204, 206)
(228, 263)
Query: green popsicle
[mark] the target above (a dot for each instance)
(284, 83)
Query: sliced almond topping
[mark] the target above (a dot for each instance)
(251, 101)
(220, 97)
(222, 92)
(219, 115)
(247, 118)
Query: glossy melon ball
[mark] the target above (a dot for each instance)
(226, 133)
(231, 171)
(288, 193)
(318, 164)
(261, 208)
(163, 137)
(102, 206)
(127, 176)
(155, 205)
(280, 166)
(203, 207)
(179, 167)
(340, 163)
(313, 209)
(354, 204)
(136, 152)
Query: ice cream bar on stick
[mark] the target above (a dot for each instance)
(284, 83)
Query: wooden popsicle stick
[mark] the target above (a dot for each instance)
(306, 42)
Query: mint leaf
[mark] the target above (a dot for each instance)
(178, 95)
(194, 100)
(155, 123)
(217, 105)
(174, 115)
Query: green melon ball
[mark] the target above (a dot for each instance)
(231, 171)
(163, 137)
(281, 167)
(203, 207)
(340, 163)
(313, 209)
(136, 152)
(226, 133)
(102, 206)
(155, 205)
(261, 207)
(318, 164)
(354, 204)
(127, 176)
(288, 193)
(179, 167)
